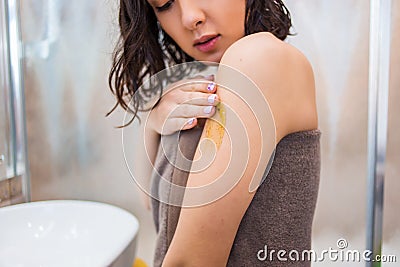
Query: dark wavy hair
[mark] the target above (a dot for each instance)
(144, 49)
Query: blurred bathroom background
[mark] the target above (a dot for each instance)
(75, 152)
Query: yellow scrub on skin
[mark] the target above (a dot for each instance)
(139, 263)
(215, 127)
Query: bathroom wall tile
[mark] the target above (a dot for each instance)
(4, 192)
(15, 186)
(11, 191)
(5, 203)
(18, 199)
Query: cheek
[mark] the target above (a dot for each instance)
(173, 29)
(234, 19)
(168, 22)
(236, 27)
(166, 26)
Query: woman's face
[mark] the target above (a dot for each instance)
(204, 29)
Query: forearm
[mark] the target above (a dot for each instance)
(146, 147)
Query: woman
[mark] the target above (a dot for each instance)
(241, 226)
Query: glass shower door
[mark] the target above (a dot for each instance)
(334, 35)
(13, 161)
(6, 170)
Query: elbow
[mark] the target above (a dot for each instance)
(177, 261)
(174, 262)
(174, 259)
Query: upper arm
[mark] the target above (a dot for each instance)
(205, 234)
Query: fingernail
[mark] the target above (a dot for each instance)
(190, 122)
(211, 87)
(211, 99)
(208, 109)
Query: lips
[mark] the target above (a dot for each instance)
(207, 43)
(204, 39)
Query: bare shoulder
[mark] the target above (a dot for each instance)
(283, 74)
(263, 49)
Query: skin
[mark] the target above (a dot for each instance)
(181, 103)
(215, 128)
(202, 18)
(209, 230)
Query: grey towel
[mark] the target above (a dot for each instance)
(280, 215)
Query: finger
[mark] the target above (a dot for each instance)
(185, 124)
(199, 99)
(189, 124)
(203, 86)
(174, 125)
(192, 111)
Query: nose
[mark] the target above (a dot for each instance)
(192, 14)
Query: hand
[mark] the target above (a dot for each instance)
(180, 107)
